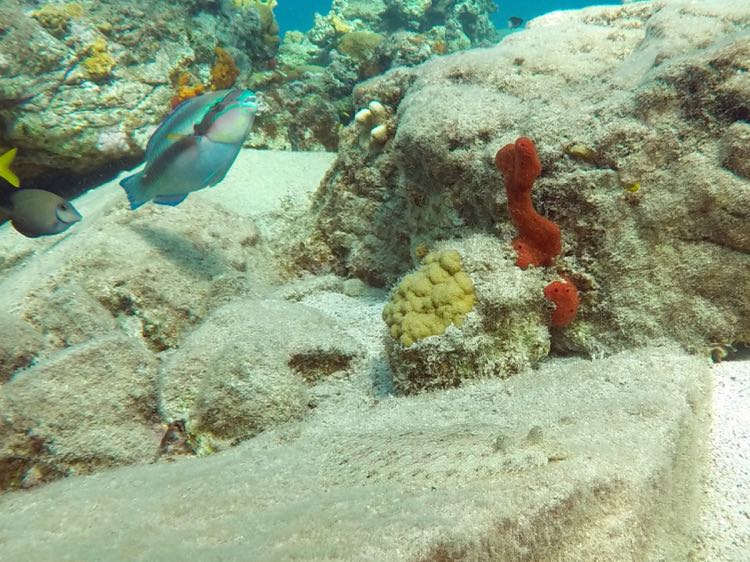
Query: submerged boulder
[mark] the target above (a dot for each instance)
(248, 368)
(637, 113)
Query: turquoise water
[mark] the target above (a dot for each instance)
(532, 9)
(298, 14)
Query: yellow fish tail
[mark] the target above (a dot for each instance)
(5, 172)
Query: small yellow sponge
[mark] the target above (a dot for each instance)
(427, 301)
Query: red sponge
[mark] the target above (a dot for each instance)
(538, 241)
(565, 296)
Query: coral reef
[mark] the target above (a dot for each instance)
(146, 336)
(93, 69)
(652, 202)
(309, 85)
(487, 320)
(73, 71)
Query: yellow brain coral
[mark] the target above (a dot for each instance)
(427, 301)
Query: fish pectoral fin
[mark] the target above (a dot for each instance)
(176, 136)
(5, 172)
(171, 200)
(215, 177)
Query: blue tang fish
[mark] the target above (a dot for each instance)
(193, 148)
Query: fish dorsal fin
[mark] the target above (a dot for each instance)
(5, 172)
(180, 123)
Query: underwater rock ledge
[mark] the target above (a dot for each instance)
(580, 460)
(637, 112)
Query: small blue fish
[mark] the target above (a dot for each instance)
(193, 148)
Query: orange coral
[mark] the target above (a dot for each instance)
(224, 72)
(99, 64)
(184, 91)
(440, 47)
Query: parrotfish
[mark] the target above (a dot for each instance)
(193, 148)
(35, 212)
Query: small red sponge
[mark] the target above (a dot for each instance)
(565, 296)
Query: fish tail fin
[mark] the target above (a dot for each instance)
(5, 172)
(134, 189)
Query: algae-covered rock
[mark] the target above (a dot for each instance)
(68, 315)
(504, 330)
(247, 368)
(19, 344)
(735, 149)
(577, 461)
(85, 314)
(154, 276)
(85, 408)
(653, 218)
(56, 18)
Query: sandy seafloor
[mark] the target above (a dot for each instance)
(637, 459)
